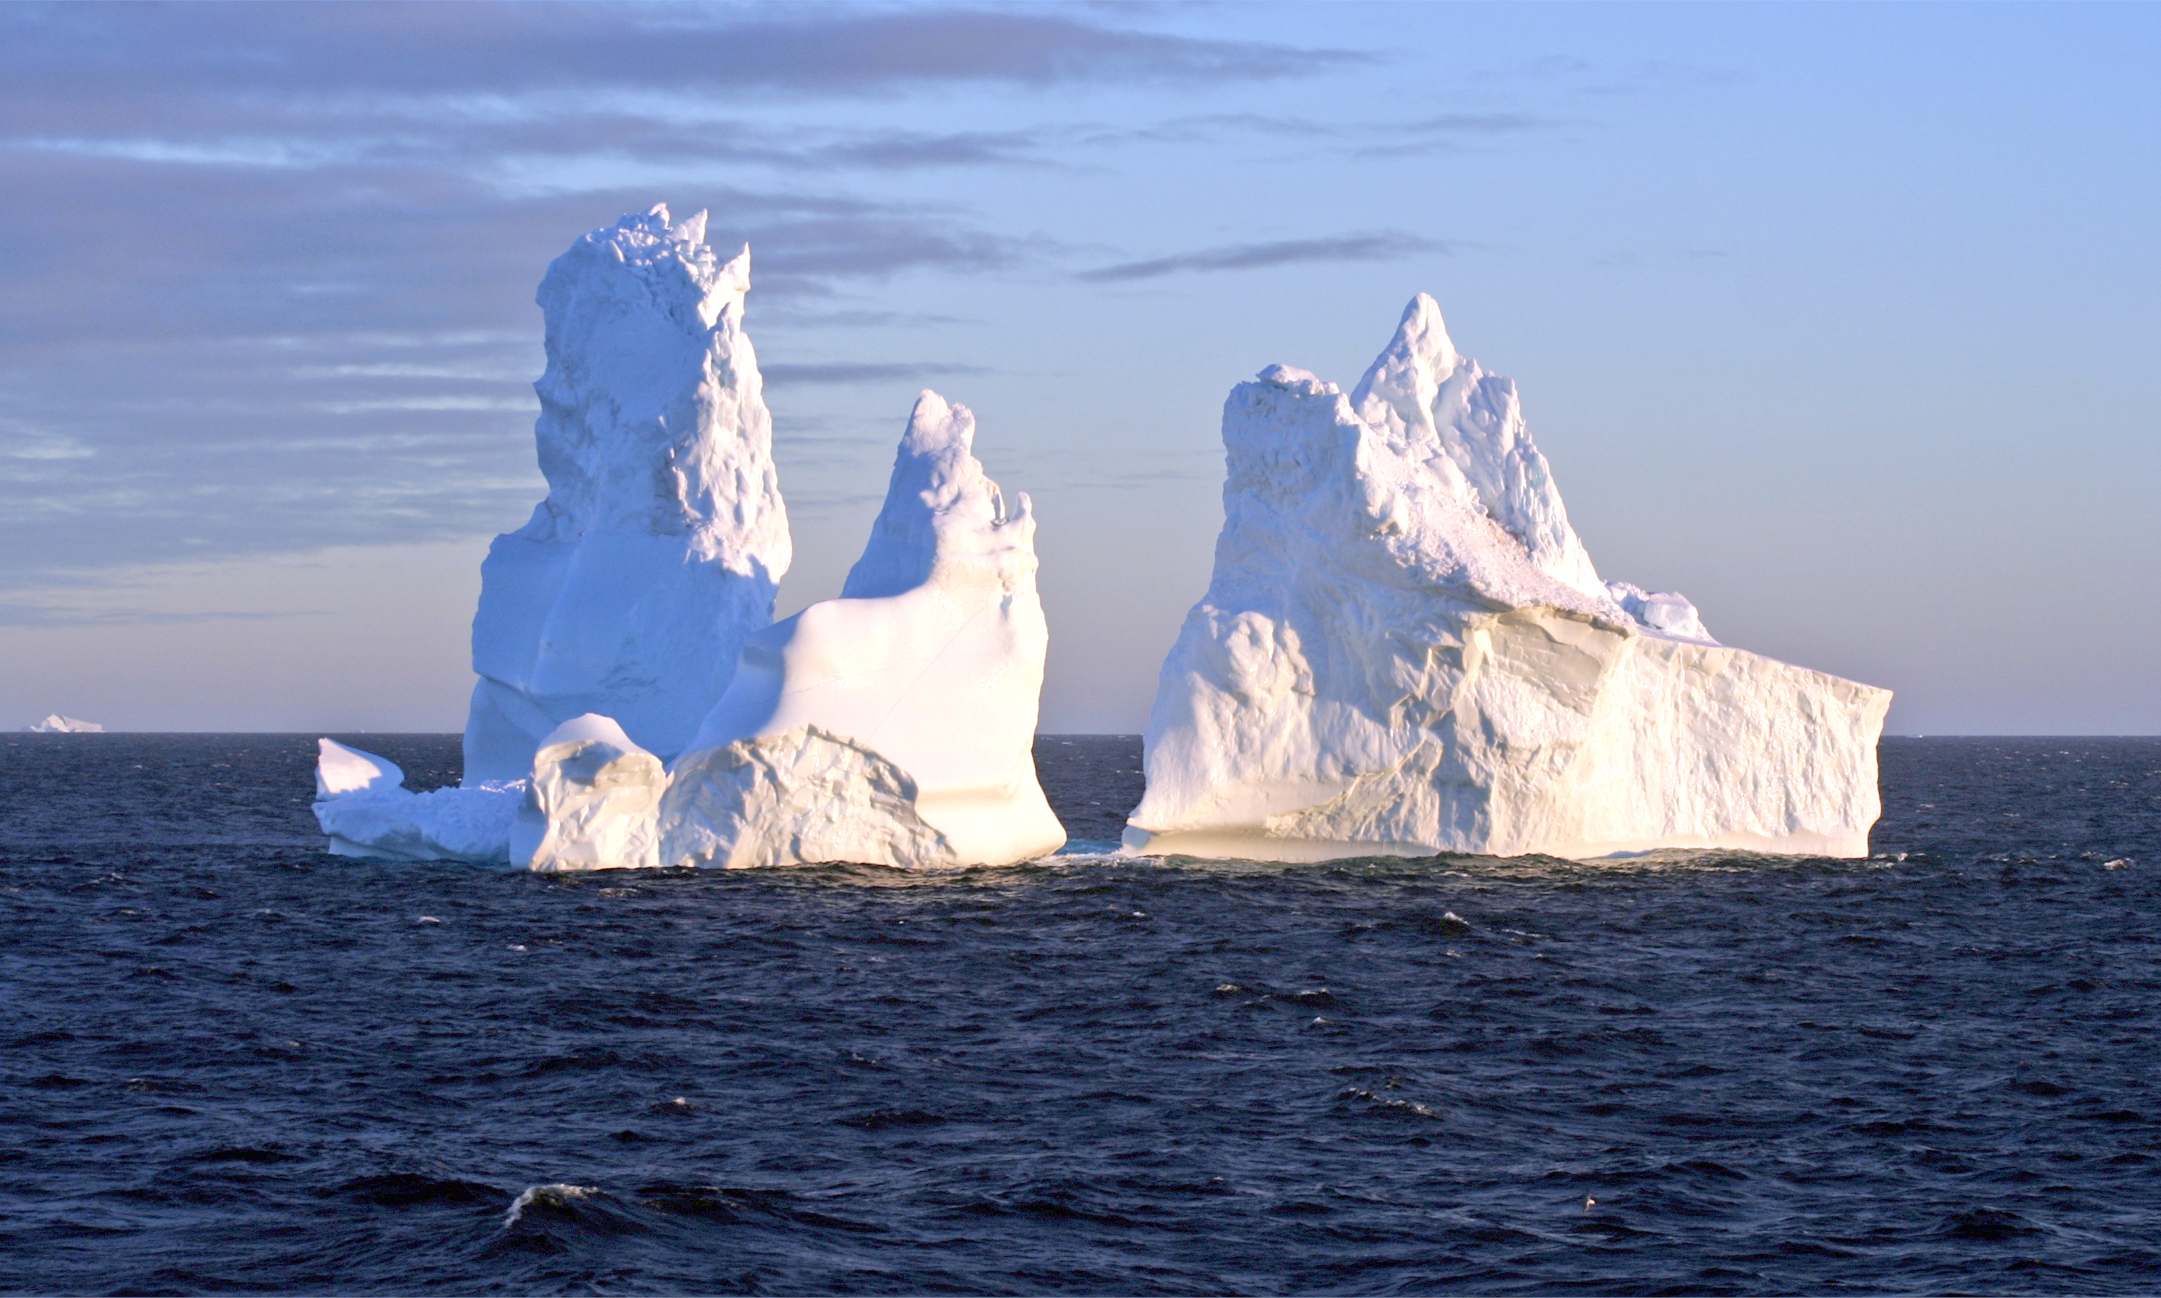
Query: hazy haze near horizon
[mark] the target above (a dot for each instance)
(1839, 320)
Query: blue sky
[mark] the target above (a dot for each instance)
(1838, 319)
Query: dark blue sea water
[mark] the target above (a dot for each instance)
(233, 1063)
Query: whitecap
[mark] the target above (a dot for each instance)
(554, 1195)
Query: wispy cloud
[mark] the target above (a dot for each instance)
(1439, 132)
(44, 615)
(563, 130)
(523, 405)
(62, 58)
(1383, 246)
(266, 270)
(844, 372)
(1584, 77)
(510, 91)
(1447, 133)
(846, 318)
(21, 442)
(186, 252)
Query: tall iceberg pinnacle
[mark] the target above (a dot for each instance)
(659, 547)
(1420, 395)
(663, 538)
(890, 726)
(1406, 649)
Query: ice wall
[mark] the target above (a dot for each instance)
(1405, 648)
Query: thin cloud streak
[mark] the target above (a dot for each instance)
(1384, 246)
(848, 372)
(186, 252)
(308, 142)
(40, 615)
(64, 60)
(1428, 134)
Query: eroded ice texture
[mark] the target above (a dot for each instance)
(1405, 648)
(663, 537)
(659, 546)
(890, 726)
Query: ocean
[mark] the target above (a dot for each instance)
(233, 1063)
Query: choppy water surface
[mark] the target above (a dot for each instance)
(234, 1063)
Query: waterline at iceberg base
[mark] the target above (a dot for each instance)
(1405, 649)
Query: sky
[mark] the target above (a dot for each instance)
(1841, 320)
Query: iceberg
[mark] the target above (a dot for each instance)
(659, 548)
(55, 724)
(893, 725)
(1405, 649)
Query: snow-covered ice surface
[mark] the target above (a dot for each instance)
(660, 545)
(1405, 648)
(55, 724)
(890, 726)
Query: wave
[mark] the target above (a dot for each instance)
(556, 1197)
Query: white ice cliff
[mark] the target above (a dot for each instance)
(1405, 649)
(659, 547)
(890, 726)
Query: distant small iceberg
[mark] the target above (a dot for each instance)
(59, 725)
